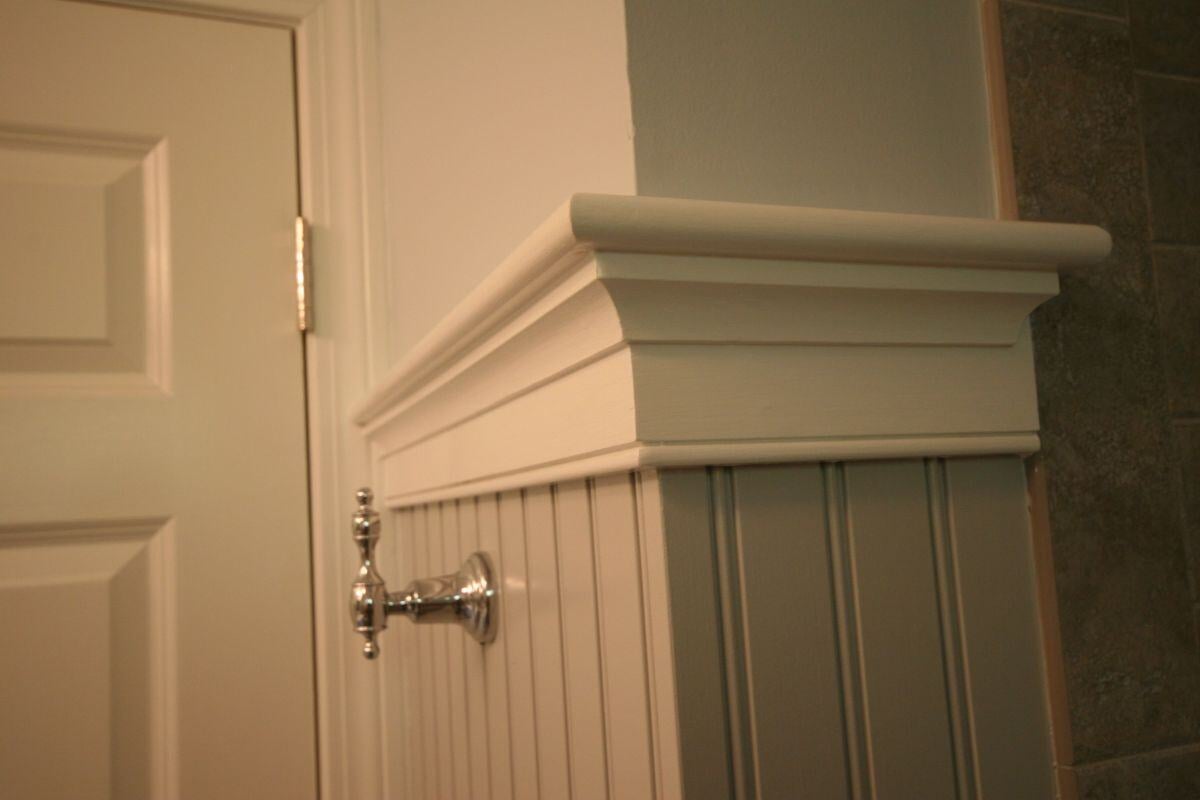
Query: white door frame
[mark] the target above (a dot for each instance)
(336, 46)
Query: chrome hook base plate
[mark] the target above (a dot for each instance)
(478, 598)
(468, 597)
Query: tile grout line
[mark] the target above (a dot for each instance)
(1181, 510)
(1166, 76)
(1079, 12)
(1165, 752)
(1175, 245)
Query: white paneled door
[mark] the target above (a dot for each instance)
(155, 624)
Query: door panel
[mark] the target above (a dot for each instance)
(154, 569)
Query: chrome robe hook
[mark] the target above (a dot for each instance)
(468, 597)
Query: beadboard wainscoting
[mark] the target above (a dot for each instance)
(752, 478)
(805, 630)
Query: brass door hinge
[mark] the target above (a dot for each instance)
(303, 274)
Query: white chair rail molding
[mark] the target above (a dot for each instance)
(750, 477)
(628, 332)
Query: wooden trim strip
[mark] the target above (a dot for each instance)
(1052, 651)
(661, 455)
(271, 13)
(1004, 182)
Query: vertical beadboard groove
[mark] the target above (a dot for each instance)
(519, 650)
(391, 681)
(474, 680)
(631, 754)
(789, 623)
(397, 689)
(900, 639)
(558, 589)
(635, 488)
(415, 757)
(732, 634)
(990, 533)
(640, 653)
(439, 648)
(588, 753)
(413, 660)
(639, 536)
(961, 722)
(853, 691)
(456, 663)
(601, 633)
(685, 503)
(423, 642)
(545, 626)
(660, 644)
(737, 554)
(436, 643)
(495, 661)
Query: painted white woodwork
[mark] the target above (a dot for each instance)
(567, 697)
(336, 93)
(575, 540)
(279, 13)
(83, 228)
(341, 169)
(630, 332)
(156, 577)
(335, 49)
(839, 629)
(110, 585)
(825, 630)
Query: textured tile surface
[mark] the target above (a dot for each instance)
(1171, 121)
(1170, 775)
(1073, 111)
(1188, 436)
(1166, 35)
(1116, 8)
(1177, 273)
(1132, 669)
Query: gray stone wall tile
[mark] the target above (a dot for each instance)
(1112, 8)
(1171, 122)
(1077, 147)
(1188, 437)
(1133, 673)
(1166, 35)
(1177, 277)
(1170, 775)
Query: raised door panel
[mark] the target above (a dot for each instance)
(85, 607)
(83, 241)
